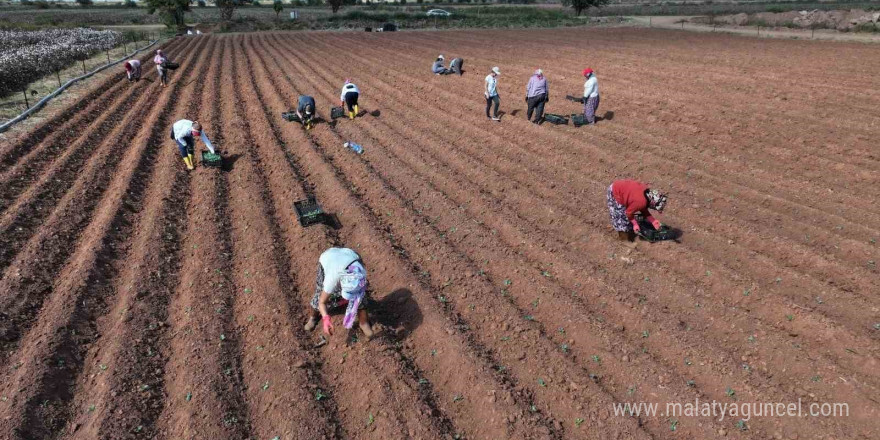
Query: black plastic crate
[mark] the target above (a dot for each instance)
(574, 98)
(648, 233)
(291, 116)
(578, 120)
(212, 160)
(336, 112)
(309, 212)
(555, 119)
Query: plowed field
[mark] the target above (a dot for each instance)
(139, 300)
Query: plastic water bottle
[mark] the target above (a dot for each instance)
(354, 147)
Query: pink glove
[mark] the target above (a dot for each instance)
(654, 222)
(636, 227)
(328, 325)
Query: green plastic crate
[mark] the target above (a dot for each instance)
(210, 159)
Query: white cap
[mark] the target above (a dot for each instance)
(441, 57)
(496, 70)
(539, 72)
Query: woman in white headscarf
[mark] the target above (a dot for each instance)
(341, 282)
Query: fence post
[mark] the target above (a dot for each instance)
(84, 66)
(27, 105)
(682, 25)
(108, 56)
(813, 33)
(58, 77)
(650, 21)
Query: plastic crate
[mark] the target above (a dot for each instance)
(212, 160)
(574, 98)
(309, 212)
(648, 233)
(336, 112)
(290, 116)
(555, 119)
(578, 120)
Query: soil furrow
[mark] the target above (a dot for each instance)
(68, 323)
(31, 273)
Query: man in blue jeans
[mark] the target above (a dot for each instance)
(185, 132)
(491, 93)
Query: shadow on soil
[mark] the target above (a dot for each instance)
(229, 161)
(398, 313)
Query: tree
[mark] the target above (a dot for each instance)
(227, 8)
(580, 5)
(335, 5)
(84, 3)
(171, 11)
(278, 7)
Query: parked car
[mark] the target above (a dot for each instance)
(438, 13)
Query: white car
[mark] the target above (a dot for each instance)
(438, 13)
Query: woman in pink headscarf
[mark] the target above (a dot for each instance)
(160, 59)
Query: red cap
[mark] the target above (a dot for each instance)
(587, 71)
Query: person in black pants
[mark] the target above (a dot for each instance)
(537, 94)
(349, 98)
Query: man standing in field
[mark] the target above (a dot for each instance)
(160, 61)
(591, 96)
(185, 132)
(133, 70)
(537, 94)
(491, 93)
(305, 109)
(341, 282)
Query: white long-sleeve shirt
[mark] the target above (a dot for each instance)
(591, 87)
(350, 87)
(491, 84)
(183, 129)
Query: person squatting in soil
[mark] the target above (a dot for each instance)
(591, 96)
(438, 68)
(626, 199)
(341, 282)
(305, 109)
(160, 59)
(349, 98)
(184, 133)
(537, 94)
(491, 93)
(133, 70)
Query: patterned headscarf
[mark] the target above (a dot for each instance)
(656, 200)
(354, 287)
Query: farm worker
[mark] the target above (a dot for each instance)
(341, 282)
(491, 93)
(537, 94)
(185, 132)
(625, 199)
(591, 96)
(133, 70)
(349, 97)
(455, 66)
(438, 68)
(160, 59)
(305, 109)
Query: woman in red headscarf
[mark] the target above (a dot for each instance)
(591, 96)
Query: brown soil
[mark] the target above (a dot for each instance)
(138, 300)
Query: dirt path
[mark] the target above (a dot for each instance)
(674, 22)
(140, 300)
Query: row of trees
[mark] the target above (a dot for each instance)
(28, 55)
(172, 11)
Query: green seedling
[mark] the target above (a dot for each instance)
(561, 330)
(536, 302)
(222, 337)
(472, 307)
(276, 437)
(189, 396)
(541, 382)
(752, 338)
(631, 390)
(505, 338)
(442, 299)
(789, 317)
(688, 361)
(102, 367)
(673, 425)
(434, 352)
(423, 381)
(877, 326)
(457, 398)
(248, 290)
(230, 421)
(778, 280)
(564, 348)
(816, 378)
(747, 292)
(645, 334)
(578, 421)
(139, 429)
(742, 425)
(92, 408)
(730, 392)
(145, 387)
(546, 274)
(691, 383)
(370, 419)
(507, 282)
(250, 318)
(501, 368)
(319, 395)
(533, 408)
(265, 385)
(596, 359)
(529, 318)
